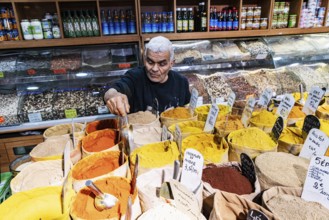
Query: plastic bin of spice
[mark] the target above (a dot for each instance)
(9, 108)
(96, 59)
(82, 205)
(97, 166)
(64, 61)
(8, 66)
(34, 64)
(257, 48)
(95, 104)
(176, 115)
(251, 141)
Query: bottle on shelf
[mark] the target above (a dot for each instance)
(164, 22)
(235, 20)
(212, 22)
(229, 21)
(94, 22)
(89, 24)
(190, 20)
(147, 23)
(143, 20)
(197, 19)
(184, 20)
(116, 22)
(110, 22)
(203, 16)
(70, 25)
(83, 26)
(219, 21)
(76, 24)
(179, 20)
(224, 20)
(105, 26)
(131, 22)
(170, 22)
(154, 22)
(123, 23)
(65, 24)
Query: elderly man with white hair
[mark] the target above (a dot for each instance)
(138, 89)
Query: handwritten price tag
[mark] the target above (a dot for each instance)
(310, 122)
(313, 100)
(316, 187)
(265, 97)
(277, 129)
(316, 144)
(285, 106)
(211, 118)
(192, 169)
(247, 112)
(70, 113)
(193, 100)
(34, 117)
(102, 109)
(248, 168)
(231, 100)
(200, 101)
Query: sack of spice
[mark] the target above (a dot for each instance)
(51, 149)
(280, 169)
(286, 203)
(82, 205)
(263, 120)
(291, 141)
(153, 135)
(224, 205)
(323, 111)
(213, 148)
(251, 141)
(102, 140)
(97, 166)
(295, 114)
(63, 129)
(143, 119)
(228, 177)
(203, 110)
(188, 128)
(102, 124)
(176, 115)
(227, 124)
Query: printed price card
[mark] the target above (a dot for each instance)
(316, 187)
(256, 215)
(231, 100)
(316, 144)
(211, 118)
(193, 100)
(185, 200)
(71, 113)
(247, 112)
(313, 100)
(310, 122)
(2, 74)
(285, 106)
(34, 117)
(102, 109)
(192, 169)
(265, 98)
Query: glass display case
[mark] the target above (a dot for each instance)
(52, 84)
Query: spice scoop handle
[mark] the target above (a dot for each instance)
(129, 209)
(94, 189)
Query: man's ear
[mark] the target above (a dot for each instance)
(172, 62)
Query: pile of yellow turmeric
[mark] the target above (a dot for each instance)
(229, 123)
(292, 136)
(263, 117)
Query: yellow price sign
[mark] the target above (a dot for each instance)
(71, 113)
(2, 74)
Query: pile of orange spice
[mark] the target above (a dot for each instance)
(100, 140)
(178, 112)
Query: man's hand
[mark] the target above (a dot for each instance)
(117, 102)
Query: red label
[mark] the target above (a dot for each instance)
(31, 72)
(2, 119)
(59, 71)
(124, 65)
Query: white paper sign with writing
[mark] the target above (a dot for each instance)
(313, 100)
(192, 169)
(316, 144)
(185, 200)
(285, 106)
(316, 187)
(211, 118)
(265, 97)
(231, 100)
(193, 100)
(200, 101)
(247, 112)
(34, 117)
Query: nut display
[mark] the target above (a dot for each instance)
(94, 99)
(67, 61)
(8, 64)
(8, 109)
(216, 86)
(288, 80)
(309, 76)
(255, 47)
(262, 79)
(195, 81)
(240, 86)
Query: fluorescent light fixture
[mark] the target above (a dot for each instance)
(294, 64)
(277, 58)
(81, 74)
(32, 88)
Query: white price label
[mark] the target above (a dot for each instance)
(164, 134)
(34, 117)
(211, 118)
(192, 169)
(193, 100)
(219, 100)
(102, 109)
(261, 56)
(265, 97)
(316, 144)
(200, 101)
(67, 159)
(247, 112)
(285, 106)
(231, 100)
(313, 100)
(316, 187)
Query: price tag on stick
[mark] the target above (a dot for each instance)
(192, 169)
(310, 122)
(164, 134)
(316, 187)
(316, 144)
(265, 97)
(231, 100)
(247, 112)
(277, 129)
(193, 100)
(248, 168)
(285, 106)
(211, 118)
(178, 139)
(313, 100)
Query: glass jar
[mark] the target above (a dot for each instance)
(263, 23)
(256, 24)
(257, 12)
(26, 29)
(244, 13)
(249, 24)
(36, 29)
(250, 12)
(243, 24)
(292, 21)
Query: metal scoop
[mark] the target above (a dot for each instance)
(102, 200)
